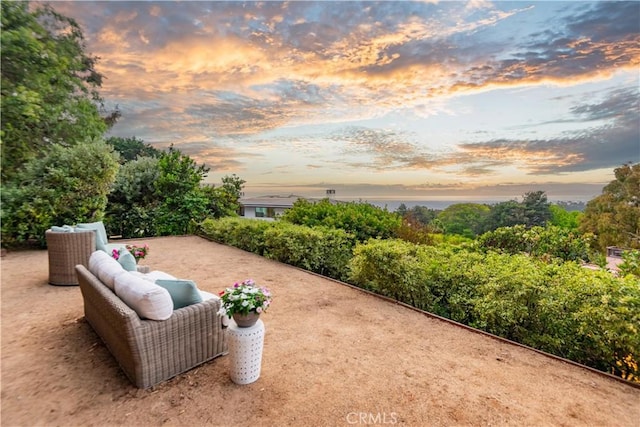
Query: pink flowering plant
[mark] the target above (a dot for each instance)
(244, 298)
(138, 252)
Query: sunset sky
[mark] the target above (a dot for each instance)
(406, 100)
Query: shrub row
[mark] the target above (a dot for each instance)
(542, 242)
(587, 316)
(561, 308)
(319, 249)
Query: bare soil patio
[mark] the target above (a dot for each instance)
(333, 355)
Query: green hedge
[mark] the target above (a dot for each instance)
(238, 232)
(321, 250)
(590, 317)
(542, 242)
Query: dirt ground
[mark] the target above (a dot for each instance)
(333, 355)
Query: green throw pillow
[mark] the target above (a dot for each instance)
(127, 261)
(183, 292)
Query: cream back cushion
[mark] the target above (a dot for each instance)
(96, 258)
(147, 299)
(105, 268)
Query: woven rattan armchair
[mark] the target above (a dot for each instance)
(66, 250)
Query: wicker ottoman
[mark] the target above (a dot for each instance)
(66, 250)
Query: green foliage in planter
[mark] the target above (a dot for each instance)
(319, 249)
(543, 242)
(363, 220)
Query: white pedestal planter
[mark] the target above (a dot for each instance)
(245, 351)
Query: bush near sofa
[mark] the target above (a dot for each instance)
(151, 351)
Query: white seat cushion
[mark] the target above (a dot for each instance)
(147, 299)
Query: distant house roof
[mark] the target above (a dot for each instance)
(275, 201)
(271, 201)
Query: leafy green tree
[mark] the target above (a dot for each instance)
(536, 208)
(402, 210)
(49, 85)
(66, 186)
(360, 219)
(614, 216)
(630, 263)
(178, 187)
(421, 214)
(133, 201)
(504, 214)
(563, 218)
(465, 219)
(414, 231)
(164, 195)
(225, 199)
(132, 148)
(532, 211)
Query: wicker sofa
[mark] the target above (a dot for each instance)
(152, 351)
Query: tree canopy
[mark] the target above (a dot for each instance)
(132, 148)
(614, 216)
(465, 219)
(49, 85)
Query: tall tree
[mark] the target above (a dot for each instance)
(536, 208)
(614, 216)
(49, 85)
(132, 148)
(564, 218)
(505, 214)
(182, 198)
(465, 219)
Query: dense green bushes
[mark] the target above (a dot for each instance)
(559, 307)
(586, 316)
(363, 220)
(542, 242)
(163, 195)
(318, 249)
(65, 186)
